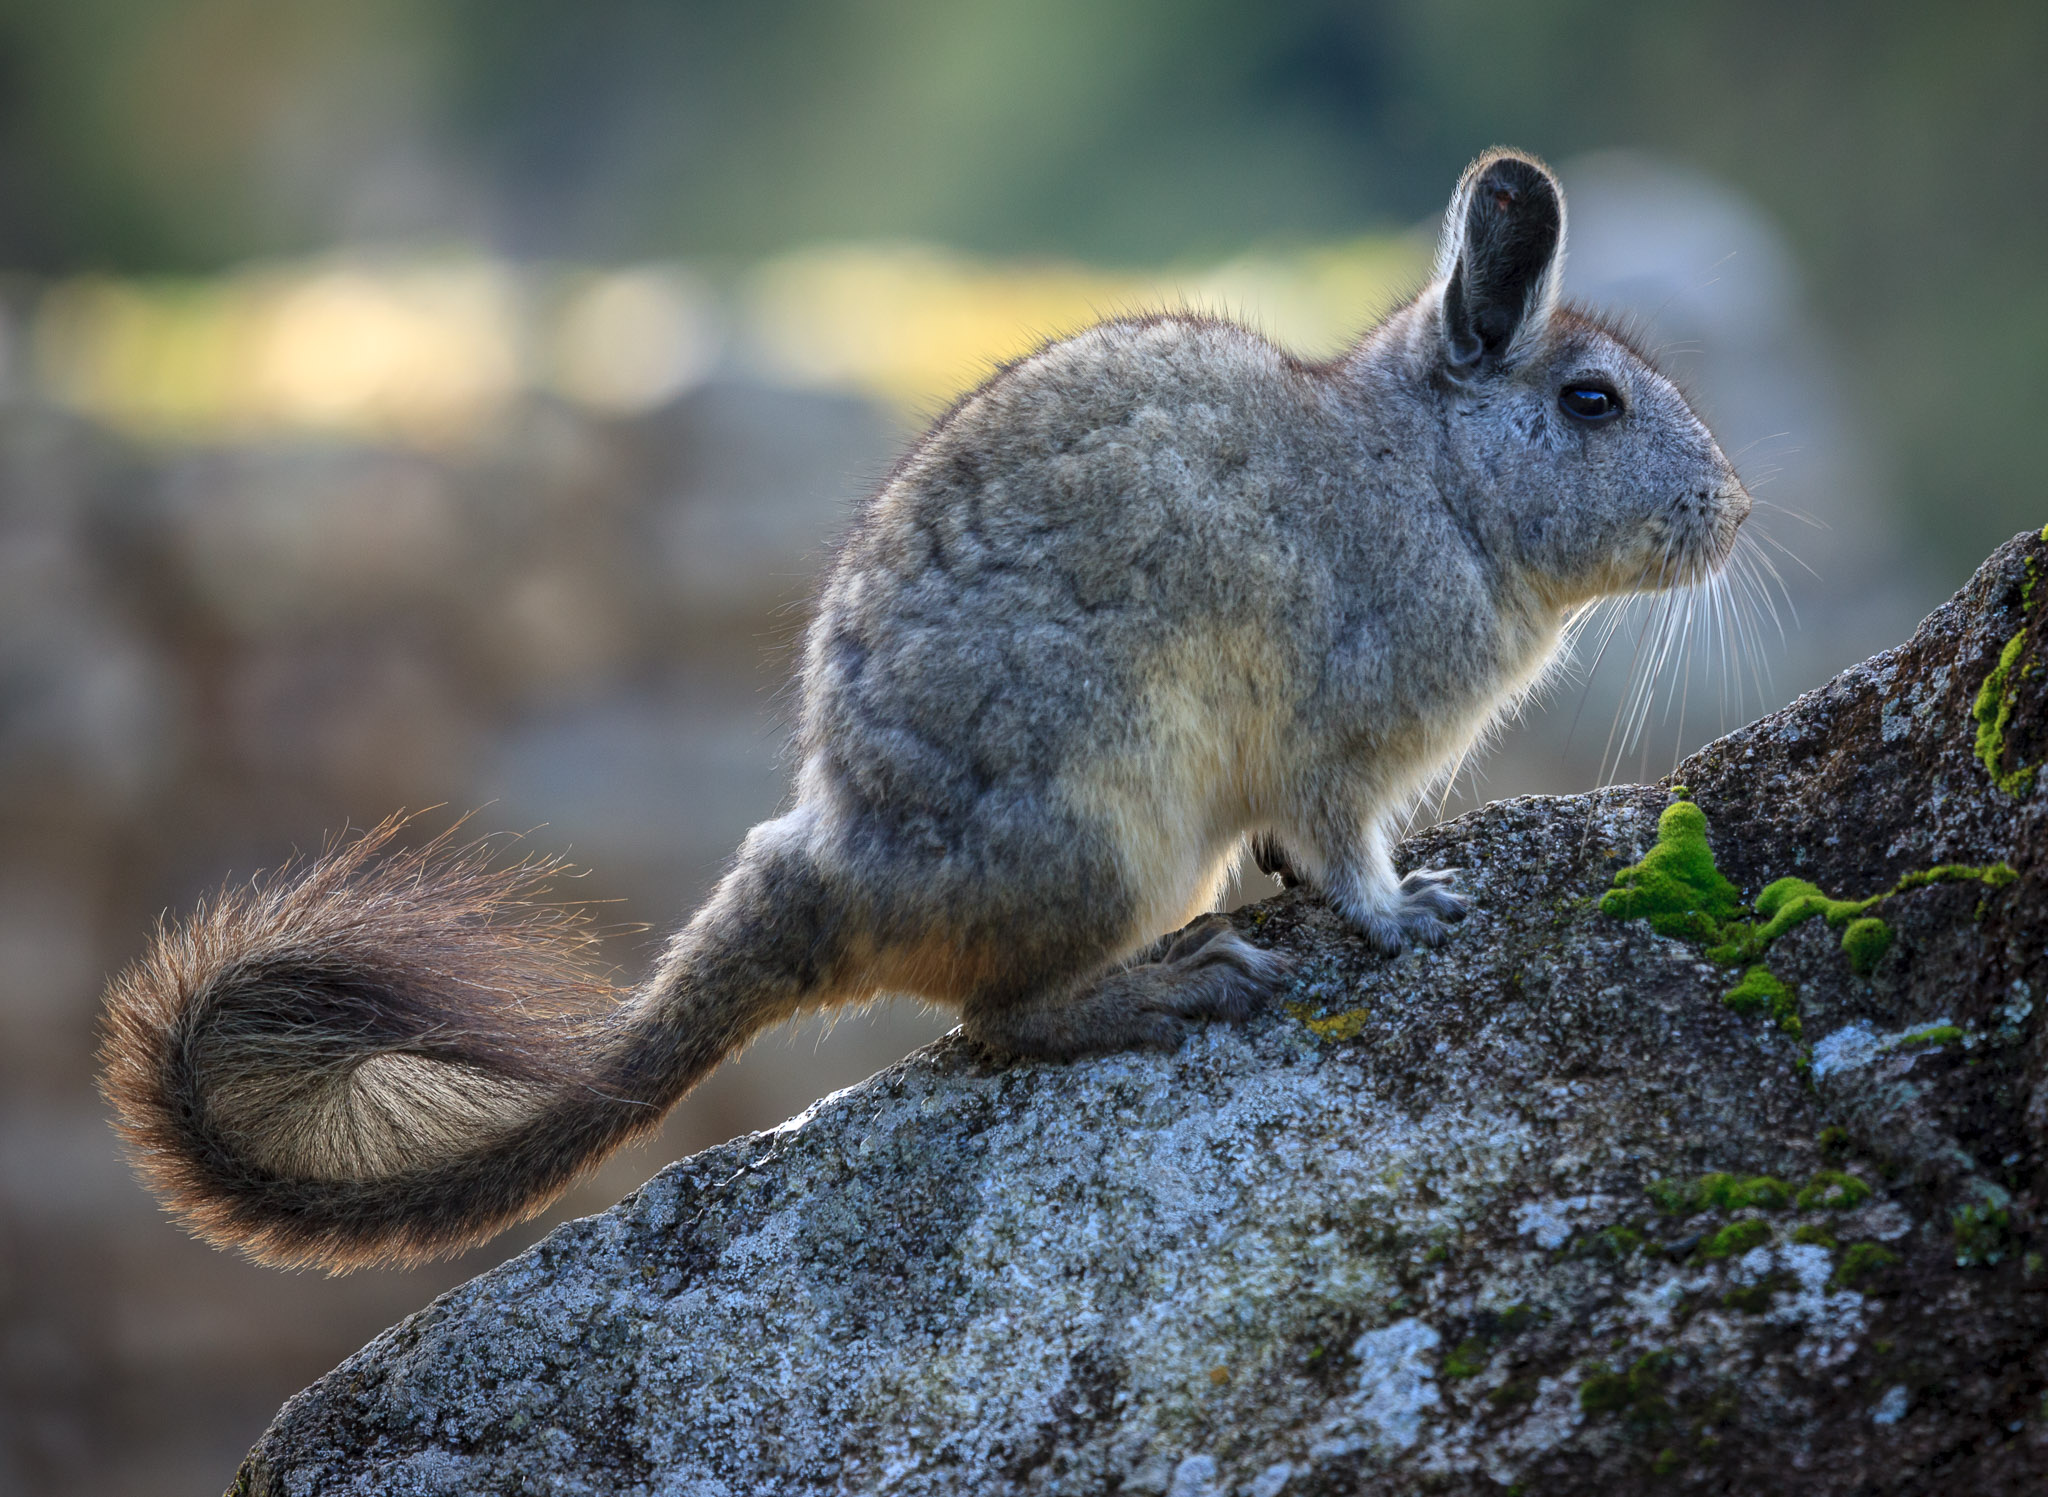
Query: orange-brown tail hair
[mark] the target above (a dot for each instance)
(378, 1054)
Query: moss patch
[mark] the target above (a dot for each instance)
(1787, 902)
(1861, 1261)
(1832, 1190)
(1933, 1034)
(1735, 1192)
(1735, 1238)
(1718, 1192)
(1676, 886)
(1865, 942)
(1753, 1299)
(1680, 891)
(1790, 902)
(1468, 1358)
(1514, 1393)
(1993, 712)
(1983, 1234)
(1996, 875)
(1637, 1393)
(1612, 1244)
(1760, 991)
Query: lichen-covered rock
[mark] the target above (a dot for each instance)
(1568, 1206)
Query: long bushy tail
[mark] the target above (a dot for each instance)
(393, 1055)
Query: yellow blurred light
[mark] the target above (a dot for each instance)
(150, 358)
(421, 354)
(426, 354)
(916, 325)
(418, 355)
(631, 340)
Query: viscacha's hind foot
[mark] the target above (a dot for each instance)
(1206, 971)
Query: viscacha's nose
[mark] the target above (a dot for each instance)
(1733, 499)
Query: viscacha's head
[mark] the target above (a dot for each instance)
(1578, 465)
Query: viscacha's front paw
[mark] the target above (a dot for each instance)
(1420, 912)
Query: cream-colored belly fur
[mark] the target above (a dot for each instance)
(1213, 734)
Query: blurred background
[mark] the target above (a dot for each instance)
(451, 403)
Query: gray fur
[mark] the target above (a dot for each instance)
(1403, 538)
(1152, 595)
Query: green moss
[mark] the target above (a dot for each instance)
(1755, 991)
(1612, 1244)
(1676, 886)
(1736, 1237)
(1815, 1236)
(1983, 1234)
(1834, 1140)
(1933, 1034)
(1668, 1461)
(1865, 942)
(1467, 1359)
(1668, 1196)
(1715, 1192)
(1718, 1192)
(1513, 1393)
(1515, 1319)
(1997, 875)
(1832, 1190)
(1759, 990)
(1637, 1393)
(1490, 1328)
(1861, 1261)
(1788, 903)
(1767, 1193)
(1752, 1299)
(1604, 1393)
(1728, 1193)
(1993, 712)
(1679, 890)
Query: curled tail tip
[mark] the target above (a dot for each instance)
(298, 1067)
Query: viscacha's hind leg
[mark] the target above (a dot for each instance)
(1207, 971)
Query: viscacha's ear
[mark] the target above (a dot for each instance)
(1499, 259)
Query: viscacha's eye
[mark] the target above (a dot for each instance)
(1589, 402)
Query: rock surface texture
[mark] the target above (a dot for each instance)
(1647, 1189)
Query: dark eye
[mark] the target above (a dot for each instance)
(1589, 402)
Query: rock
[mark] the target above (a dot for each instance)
(1540, 1211)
